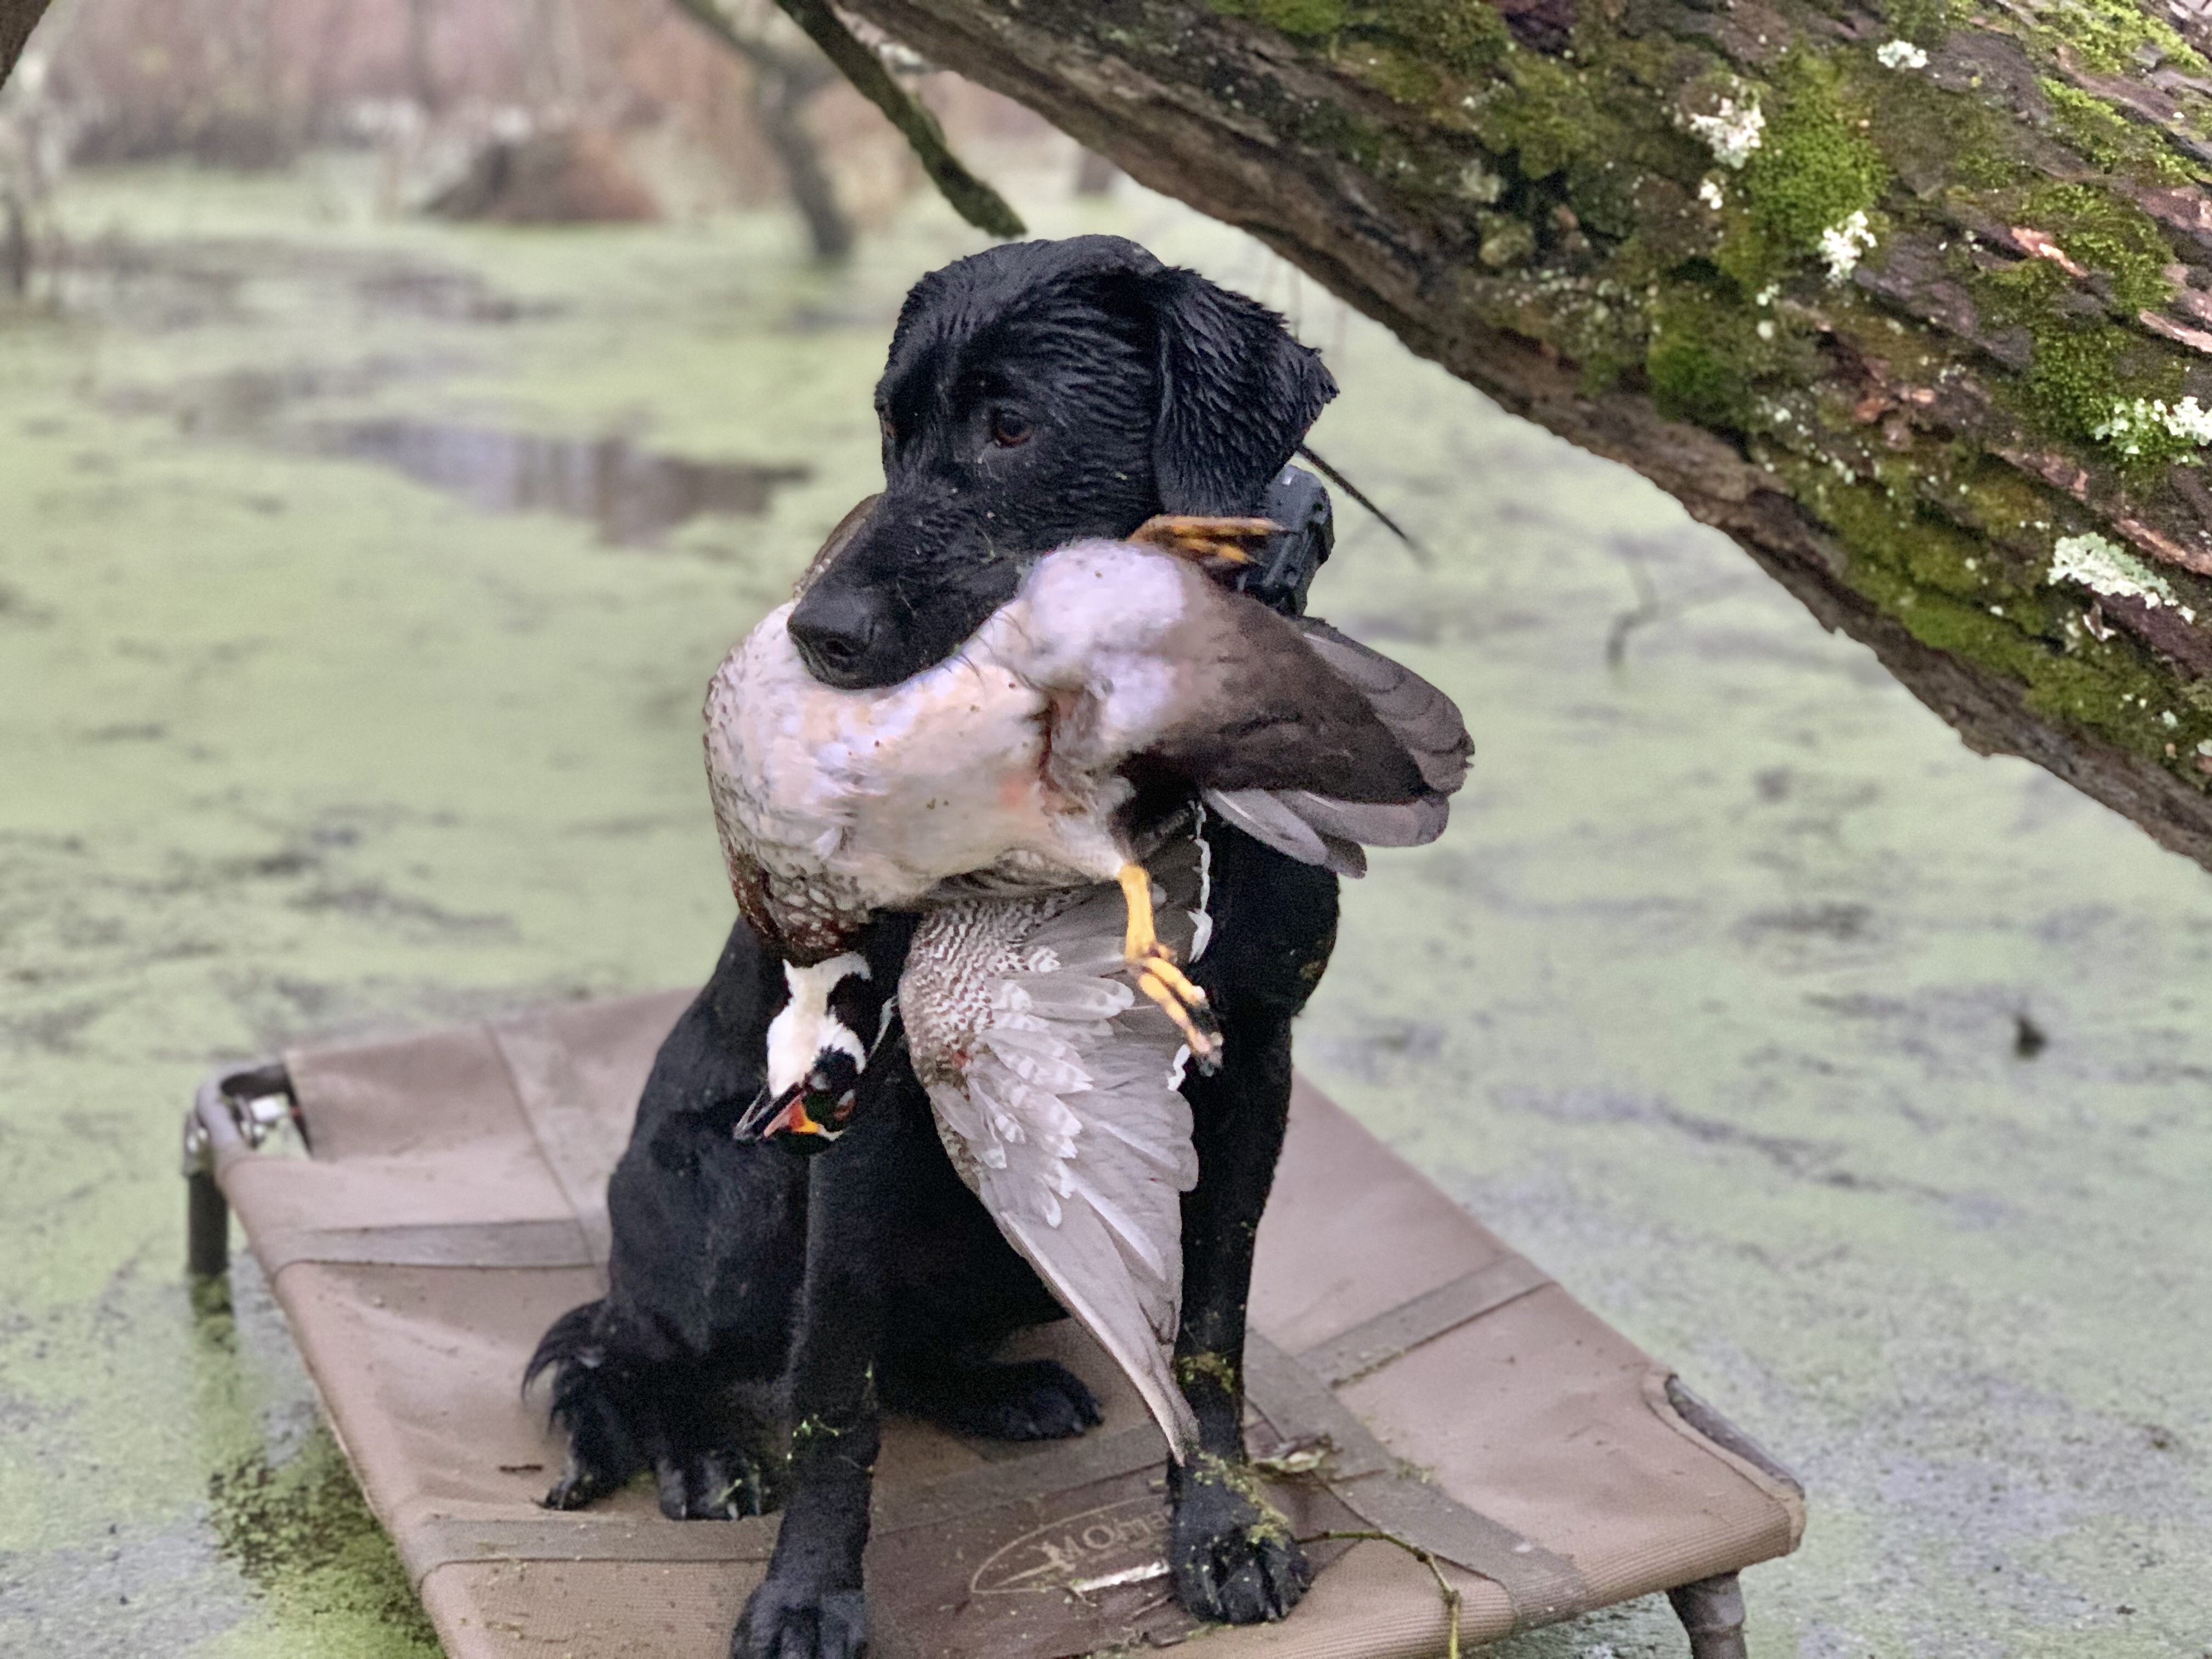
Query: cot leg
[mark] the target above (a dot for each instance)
(1712, 1610)
(207, 1225)
(234, 1109)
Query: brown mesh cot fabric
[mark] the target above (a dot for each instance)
(1409, 1374)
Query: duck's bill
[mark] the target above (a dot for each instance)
(790, 1120)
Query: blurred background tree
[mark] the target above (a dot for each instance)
(515, 111)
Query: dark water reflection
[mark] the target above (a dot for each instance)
(634, 495)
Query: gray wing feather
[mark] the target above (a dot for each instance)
(1055, 1088)
(1346, 858)
(1323, 831)
(1426, 721)
(1269, 818)
(1408, 823)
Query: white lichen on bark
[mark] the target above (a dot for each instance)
(1733, 131)
(1842, 246)
(2111, 572)
(2129, 423)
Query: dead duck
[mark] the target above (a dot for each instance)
(1047, 752)
(1016, 793)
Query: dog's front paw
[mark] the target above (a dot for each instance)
(713, 1483)
(1232, 1554)
(1035, 1400)
(585, 1481)
(801, 1622)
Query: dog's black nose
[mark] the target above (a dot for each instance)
(833, 629)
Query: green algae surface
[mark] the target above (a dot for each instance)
(1860, 1077)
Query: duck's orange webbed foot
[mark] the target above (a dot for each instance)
(1158, 975)
(1219, 547)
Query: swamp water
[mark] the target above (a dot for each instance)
(1864, 1079)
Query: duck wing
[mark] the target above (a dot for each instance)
(1311, 742)
(1259, 707)
(1296, 733)
(1056, 1093)
(1317, 826)
(1424, 720)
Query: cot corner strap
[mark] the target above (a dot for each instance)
(1374, 1343)
(578, 1143)
(549, 1242)
(1540, 1585)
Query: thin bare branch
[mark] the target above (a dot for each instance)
(971, 198)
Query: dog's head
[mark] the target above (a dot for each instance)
(1036, 394)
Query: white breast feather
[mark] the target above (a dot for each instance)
(1092, 621)
(881, 794)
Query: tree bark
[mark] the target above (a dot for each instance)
(17, 19)
(1914, 304)
(780, 93)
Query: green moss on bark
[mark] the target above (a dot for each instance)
(2110, 140)
(1463, 36)
(2109, 35)
(1925, 23)
(1541, 114)
(1305, 19)
(2087, 360)
(1702, 358)
(1950, 594)
(1816, 166)
(2108, 234)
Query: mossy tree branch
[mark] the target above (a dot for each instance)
(1914, 303)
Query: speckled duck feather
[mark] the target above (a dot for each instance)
(1056, 1092)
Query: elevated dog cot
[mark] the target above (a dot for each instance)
(1409, 1376)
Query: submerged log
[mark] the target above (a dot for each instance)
(575, 176)
(1912, 300)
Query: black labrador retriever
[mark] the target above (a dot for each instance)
(1035, 394)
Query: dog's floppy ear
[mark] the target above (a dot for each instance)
(1237, 395)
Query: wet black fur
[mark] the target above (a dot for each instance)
(1143, 389)
(869, 1277)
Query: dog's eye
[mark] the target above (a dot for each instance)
(1008, 429)
(891, 432)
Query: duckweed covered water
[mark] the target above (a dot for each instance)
(1712, 1000)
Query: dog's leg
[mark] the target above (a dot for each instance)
(648, 1377)
(1233, 1558)
(810, 1606)
(629, 1401)
(1231, 1554)
(720, 1457)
